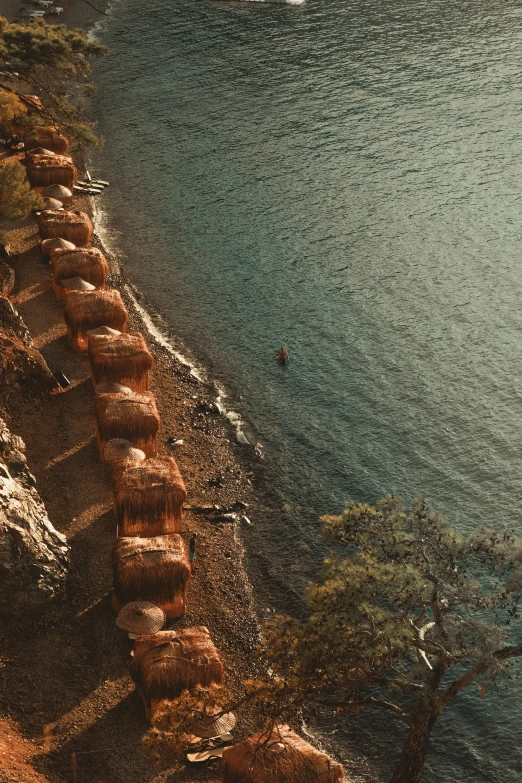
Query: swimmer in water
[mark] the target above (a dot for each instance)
(282, 355)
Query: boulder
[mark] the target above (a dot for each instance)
(34, 558)
(12, 322)
(20, 361)
(7, 279)
(23, 365)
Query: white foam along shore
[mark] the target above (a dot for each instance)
(99, 217)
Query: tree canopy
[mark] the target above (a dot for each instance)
(16, 197)
(46, 57)
(407, 612)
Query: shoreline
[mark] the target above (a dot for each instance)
(84, 698)
(223, 600)
(76, 489)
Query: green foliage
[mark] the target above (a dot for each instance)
(170, 729)
(16, 197)
(46, 57)
(406, 613)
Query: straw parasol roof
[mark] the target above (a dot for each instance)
(168, 662)
(77, 284)
(57, 191)
(141, 617)
(33, 103)
(151, 569)
(119, 448)
(133, 417)
(49, 137)
(125, 359)
(280, 756)
(89, 310)
(44, 170)
(149, 497)
(52, 203)
(112, 388)
(87, 262)
(213, 727)
(69, 224)
(103, 330)
(48, 245)
(38, 151)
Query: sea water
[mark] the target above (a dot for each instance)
(343, 178)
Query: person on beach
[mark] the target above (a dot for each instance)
(282, 355)
(192, 549)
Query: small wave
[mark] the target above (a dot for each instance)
(99, 26)
(100, 220)
(233, 417)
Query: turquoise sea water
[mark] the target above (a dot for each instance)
(343, 178)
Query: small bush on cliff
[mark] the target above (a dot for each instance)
(12, 114)
(16, 197)
(45, 58)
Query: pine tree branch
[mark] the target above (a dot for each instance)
(474, 673)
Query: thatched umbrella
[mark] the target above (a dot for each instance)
(59, 192)
(119, 448)
(85, 311)
(49, 245)
(51, 203)
(88, 263)
(44, 170)
(68, 224)
(49, 137)
(112, 388)
(124, 359)
(280, 756)
(139, 617)
(133, 417)
(33, 103)
(38, 151)
(71, 284)
(213, 727)
(151, 569)
(169, 662)
(148, 497)
(106, 330)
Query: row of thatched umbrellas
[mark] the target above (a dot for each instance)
(149, 556)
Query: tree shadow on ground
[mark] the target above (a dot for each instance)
(112, 750)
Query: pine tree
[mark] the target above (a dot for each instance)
(45, 58)
(16, 197)
(405, 618)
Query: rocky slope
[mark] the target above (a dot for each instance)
(33, 555)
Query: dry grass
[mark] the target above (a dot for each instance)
(88, 263)
(151, 569)
(280, 756)
(85, 311)
(124, 359)
(132, 417)
(48, 137)
(148, 497)
(44, 170)
(72, 225)
(169, 662)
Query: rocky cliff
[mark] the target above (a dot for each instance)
(33, 555)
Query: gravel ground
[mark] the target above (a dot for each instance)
(64, 677)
